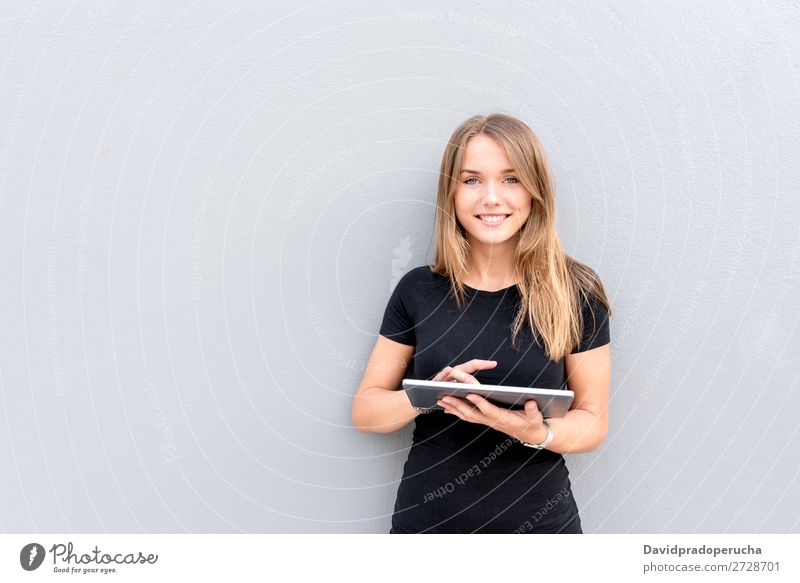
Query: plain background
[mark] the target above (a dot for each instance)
(204, 207)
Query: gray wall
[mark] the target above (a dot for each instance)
(206, 205)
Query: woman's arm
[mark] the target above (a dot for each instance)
(380, 405)
(584, 426)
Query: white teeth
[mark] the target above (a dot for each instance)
(492, 218)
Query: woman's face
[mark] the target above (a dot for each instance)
(490, 201)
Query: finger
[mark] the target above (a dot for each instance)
(532, 412)
(447, 406)
(463, 377)
(532, 407)
(485, 406)
(493, 415)
(477, 364)
(455, 412)
(449, 403)
(443, 374)
(463, 409)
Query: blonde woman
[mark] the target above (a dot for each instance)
(502, 304)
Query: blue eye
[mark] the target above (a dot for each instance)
(467, 181)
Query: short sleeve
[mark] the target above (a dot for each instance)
(595, 325)
(398, 318)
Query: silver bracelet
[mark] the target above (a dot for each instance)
(424, 410)
(548, 438)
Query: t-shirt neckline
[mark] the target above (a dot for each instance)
(483, 292)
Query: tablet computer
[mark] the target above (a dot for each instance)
(551, 402)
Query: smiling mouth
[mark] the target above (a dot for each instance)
(492, 220)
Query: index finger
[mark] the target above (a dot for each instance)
(477, 364)
(463, 377)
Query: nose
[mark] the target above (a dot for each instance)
(491, 193)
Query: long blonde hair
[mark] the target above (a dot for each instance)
(552, 285)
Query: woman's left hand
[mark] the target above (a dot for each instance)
(526, 425)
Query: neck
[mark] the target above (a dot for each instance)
(491, 266)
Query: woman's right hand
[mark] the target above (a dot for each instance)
(461, 373)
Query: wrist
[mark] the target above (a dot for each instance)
(540, 438)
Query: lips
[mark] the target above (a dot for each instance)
(492, 219)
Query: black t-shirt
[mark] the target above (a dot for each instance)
(467, 477)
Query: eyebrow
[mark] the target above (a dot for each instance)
(506, 171)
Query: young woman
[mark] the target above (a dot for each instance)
(503, 304)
